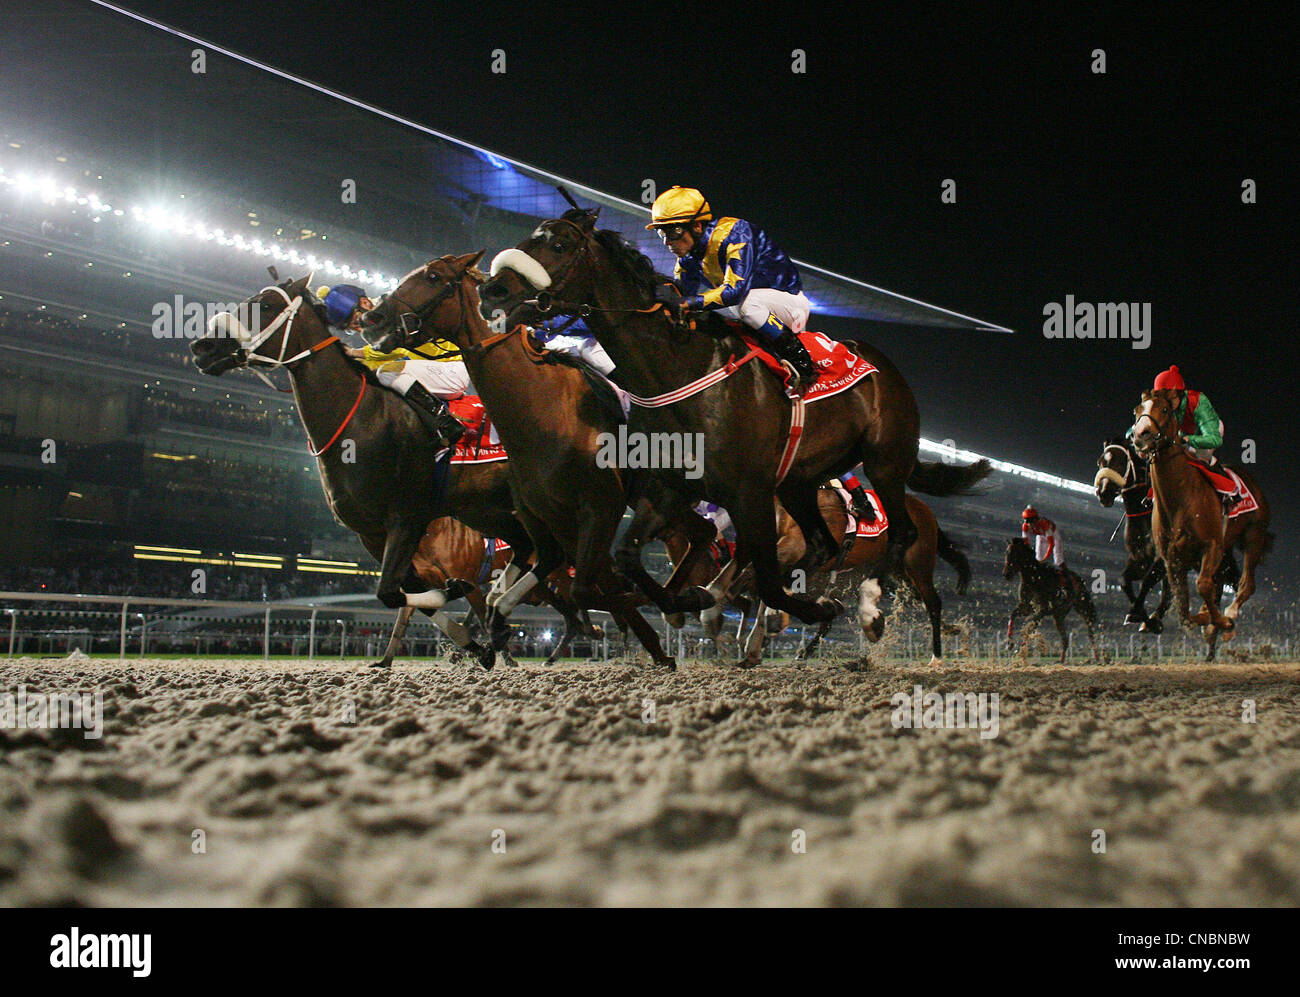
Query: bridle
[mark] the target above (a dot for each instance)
(548, 301)
(227, 323)
(421, 313)
(1161, 442)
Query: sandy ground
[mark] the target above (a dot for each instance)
(532, 786)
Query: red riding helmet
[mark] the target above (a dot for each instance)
(1029, 513)
(1171, 379)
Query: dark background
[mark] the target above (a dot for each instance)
(1117, 187)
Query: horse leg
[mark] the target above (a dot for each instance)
(648, 521)
(889, 479)
(399, 631)
(800, 502)
(1256, 542)
(755, 521)
(757, 638)
(1208, 589)
(1059, 619)
(1136, 601)
(1156, 623)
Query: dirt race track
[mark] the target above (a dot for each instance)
(535, 786)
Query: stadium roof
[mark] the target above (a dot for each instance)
(443, 168)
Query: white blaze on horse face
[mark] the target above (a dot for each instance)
(522, 264)
(869, 593)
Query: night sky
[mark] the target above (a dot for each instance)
(1117, 187)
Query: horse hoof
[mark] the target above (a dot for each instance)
(675, 620)
(670, 664)
(485, 654)
(1133, 618)
(386, 663)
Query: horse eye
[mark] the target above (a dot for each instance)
(557, 247)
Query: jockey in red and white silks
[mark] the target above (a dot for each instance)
(1046, 539)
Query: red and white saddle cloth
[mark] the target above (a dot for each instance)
(480, 444)
(1228, 482)
(855, 526)
(838, 367)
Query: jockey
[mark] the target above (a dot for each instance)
(1199, 425)
(426, 376)
(1046, 541)
(729, 265)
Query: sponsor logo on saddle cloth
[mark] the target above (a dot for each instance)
(838, 367)
(1226, 481)
(854, 526)
(480, 444)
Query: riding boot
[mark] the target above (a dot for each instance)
(445, 426)
(862, 507)
(789, 350)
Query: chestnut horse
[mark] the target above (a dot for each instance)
(551, 421)
(1189, 524)
(744, 419)
(385, 487)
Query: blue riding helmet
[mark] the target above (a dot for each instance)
(341, 301)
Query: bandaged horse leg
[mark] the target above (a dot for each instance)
(501, 584)
(399, 631)
(757, 638)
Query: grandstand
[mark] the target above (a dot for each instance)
(100, 227)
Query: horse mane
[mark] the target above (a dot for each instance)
(634, 264)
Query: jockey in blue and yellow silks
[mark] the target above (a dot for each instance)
(427, 375)
(731, 266)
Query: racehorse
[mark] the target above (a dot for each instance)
(1189, 524)
(855, 561)
(705, 388)
(551, 421)
(1122, 474)
(385, 486)
(1041, 595)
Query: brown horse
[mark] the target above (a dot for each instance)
(551, 421)
(1041, 595)
(1189, 524)
(743, 420)
(457, 559)
(385, 486)
(856, 560)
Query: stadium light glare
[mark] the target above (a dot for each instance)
(957, 455)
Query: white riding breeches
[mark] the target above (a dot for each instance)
(445, 379)
(791, 309)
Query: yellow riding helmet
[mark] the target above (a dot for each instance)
(679, 206)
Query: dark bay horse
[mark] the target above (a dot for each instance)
(386, 487)
(551, 421)
(1189, 524)
(569, 267)
(1041, 595)
(1122, 474)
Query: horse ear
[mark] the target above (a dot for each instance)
(592, 215)
(299, 286)
(469, 259)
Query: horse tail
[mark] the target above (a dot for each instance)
(942, 480)
(951, 553)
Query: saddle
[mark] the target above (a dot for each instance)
(1233, 492)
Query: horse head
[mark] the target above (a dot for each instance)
(426, 305)
(260, 327)
(1118, 469)
(1018, 557)
(552, 267)
(1154, 428)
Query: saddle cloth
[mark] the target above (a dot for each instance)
(855, 526)
(480, 444)
(838, 367)
(1228, 482)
